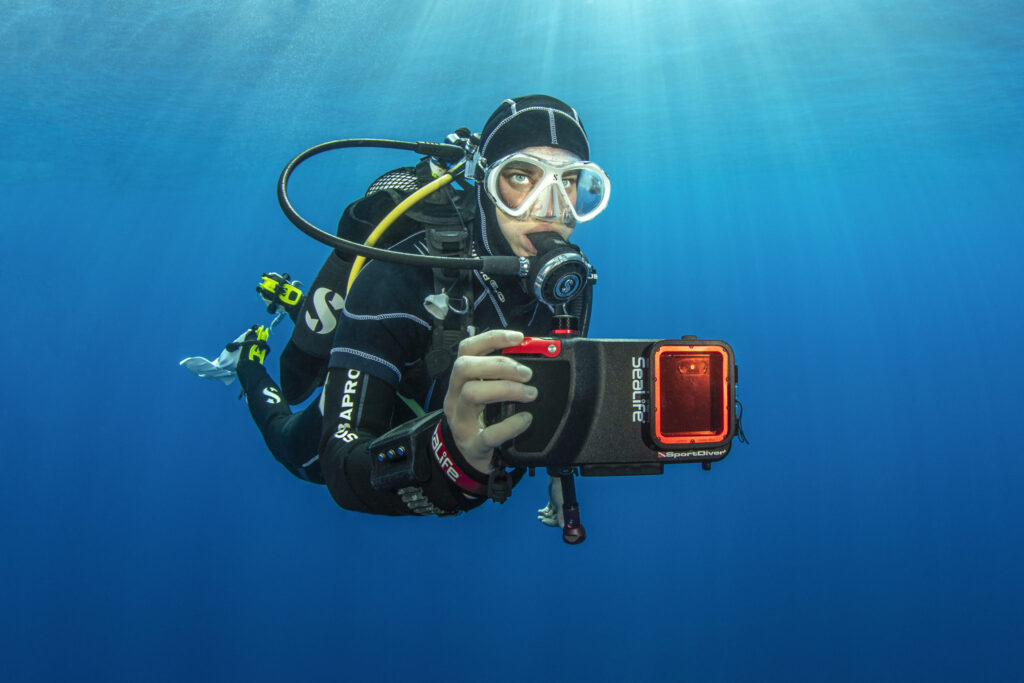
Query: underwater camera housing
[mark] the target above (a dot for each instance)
(623, 406)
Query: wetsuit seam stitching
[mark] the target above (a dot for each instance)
(366, 356)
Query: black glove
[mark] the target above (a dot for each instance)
(253, 346)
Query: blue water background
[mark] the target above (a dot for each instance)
(833, 187)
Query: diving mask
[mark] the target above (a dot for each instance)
(547, 184)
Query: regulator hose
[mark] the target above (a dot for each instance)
(492, 265)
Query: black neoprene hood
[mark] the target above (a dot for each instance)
(533, 121)
(518, 123)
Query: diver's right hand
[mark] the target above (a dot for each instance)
(479, 379)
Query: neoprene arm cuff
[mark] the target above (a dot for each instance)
(414, 453)
(357, 411)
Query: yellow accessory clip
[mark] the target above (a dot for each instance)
(289, 295)
(268, 283)
(256, 353)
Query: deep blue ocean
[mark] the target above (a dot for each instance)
(834, 188)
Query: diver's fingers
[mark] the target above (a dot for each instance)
(469, 369)
(478, 379)
(546, 515)
(486, 342)
(475, 395)
(509, 428)
(489, 367)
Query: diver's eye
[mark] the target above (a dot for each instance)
(520, 176)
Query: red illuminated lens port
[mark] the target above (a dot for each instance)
(691, 394)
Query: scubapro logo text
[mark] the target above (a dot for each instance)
(349, 390)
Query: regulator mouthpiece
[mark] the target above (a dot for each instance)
(559, 272)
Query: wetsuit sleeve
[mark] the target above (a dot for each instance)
(358, 407)
(291, 438)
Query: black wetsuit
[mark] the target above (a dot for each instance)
(377, 372)
(377, 380)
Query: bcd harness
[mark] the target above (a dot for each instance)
(446, 216)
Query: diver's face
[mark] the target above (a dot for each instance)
(514, 184)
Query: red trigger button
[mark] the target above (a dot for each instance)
(537, 346)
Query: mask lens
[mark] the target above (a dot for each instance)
(587, 194)
(522, 184)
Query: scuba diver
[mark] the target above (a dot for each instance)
(412, 355)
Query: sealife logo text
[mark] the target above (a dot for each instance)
(639, 395)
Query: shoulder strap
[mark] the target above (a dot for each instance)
(451, 237)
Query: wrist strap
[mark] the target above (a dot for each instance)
(451, 467)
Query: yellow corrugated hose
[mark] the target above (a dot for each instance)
(402, 207)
